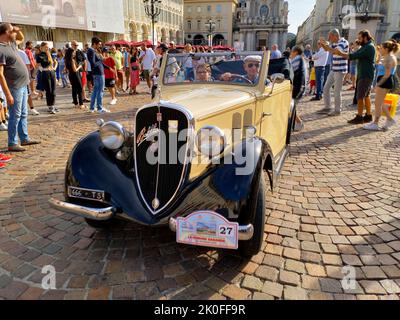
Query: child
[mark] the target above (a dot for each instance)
(313, 79)
(110, 73)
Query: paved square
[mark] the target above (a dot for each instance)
(337, 204)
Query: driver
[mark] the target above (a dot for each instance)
(252, 65)
(203, 73)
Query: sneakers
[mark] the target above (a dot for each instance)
(16, 148)
(324, 111)
(368, 118)
(104, 110)
(372, 127)
(4, 158)
(52, 110)
(2, 165)
(357, 120)
(298, 126)
(334, 114)
(113, 102)
(33, 112)
(389, 123)
(3, 127)
(30, 143)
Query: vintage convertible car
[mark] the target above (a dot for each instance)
(197, 156)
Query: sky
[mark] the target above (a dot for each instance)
(299, 10)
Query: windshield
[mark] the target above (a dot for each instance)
(225, 67)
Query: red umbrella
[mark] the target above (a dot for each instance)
(118, 42)
(147, 43)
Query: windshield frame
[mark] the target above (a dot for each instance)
(261, 81)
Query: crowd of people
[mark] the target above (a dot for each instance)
(366, 66)
(29, 72)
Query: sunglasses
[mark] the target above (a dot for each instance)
(252, 65)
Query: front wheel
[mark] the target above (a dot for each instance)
(252, 247)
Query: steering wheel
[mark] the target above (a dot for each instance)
(238, 76)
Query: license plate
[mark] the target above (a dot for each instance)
(207, 229)
(87, 194)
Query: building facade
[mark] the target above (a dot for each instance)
(381, 17)
(209, 22)
(117, 20)
(169, 25)
(261, 23)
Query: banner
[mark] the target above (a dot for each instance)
(105, 16)
(92, 15)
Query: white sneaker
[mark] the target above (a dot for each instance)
(33, 112)
(104, 110)
(299, 126)
(52, 110)
(3, 127)
(389, 123)
(372, 127)
(113, 102)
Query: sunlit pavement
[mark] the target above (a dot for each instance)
(337, 204)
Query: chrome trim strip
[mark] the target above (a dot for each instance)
(190, 145)
(85, 212)
(246, 233)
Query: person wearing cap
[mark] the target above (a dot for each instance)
(173, 48)
(252, 65)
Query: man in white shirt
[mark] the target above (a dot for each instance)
(147, 58)
(25, 59)
(320, 60)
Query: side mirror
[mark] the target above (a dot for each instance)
(277, 78)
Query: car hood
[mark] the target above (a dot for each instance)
(203, 101)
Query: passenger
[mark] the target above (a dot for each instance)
(203, 73)
(252, 65)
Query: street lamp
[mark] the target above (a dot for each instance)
(210, 25)
(153, 10)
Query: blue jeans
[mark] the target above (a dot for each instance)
(189, 74)
(320, 78)
(98, 92)
(18, 121)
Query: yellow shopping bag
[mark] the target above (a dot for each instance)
(391, 100)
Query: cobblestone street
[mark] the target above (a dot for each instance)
(337, 204)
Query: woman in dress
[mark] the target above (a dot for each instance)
(135, 70)
(386, 71)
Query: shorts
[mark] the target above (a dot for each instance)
(353, 69)
(389, 84)
(312, 83)
(364, 88)
(146, 74)
(110, 83)
(127, 72)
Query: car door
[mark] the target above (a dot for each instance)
(275, 110)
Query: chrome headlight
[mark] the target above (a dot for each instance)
(112, 135)
(211, 141)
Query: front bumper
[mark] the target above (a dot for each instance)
(102, 214)
(245, 232)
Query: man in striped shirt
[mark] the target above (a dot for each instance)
(338, 71)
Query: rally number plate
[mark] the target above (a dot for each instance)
(208, 229)
(87, 194)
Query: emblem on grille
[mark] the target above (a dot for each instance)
(147, 134)
(155, 203)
